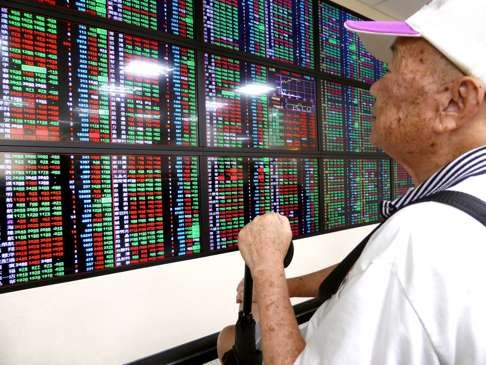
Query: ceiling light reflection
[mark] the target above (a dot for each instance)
(147, 69)
(118, 90)
(255, 89)
(213, 105)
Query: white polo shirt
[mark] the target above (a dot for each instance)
(417, 294)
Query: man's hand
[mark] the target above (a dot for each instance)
(264, 242)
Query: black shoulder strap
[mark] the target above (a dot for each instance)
(469, 204)
(331, 283)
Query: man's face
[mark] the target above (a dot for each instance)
(405, 100)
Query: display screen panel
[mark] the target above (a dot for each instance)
(68, 214)
(75, 83)
(170, 16)
(335, 194)
(353, 191)
(98, 88)
(341, 51)
(347, 118)
(368, 183)
(242, 188)
(255, 106)
(402, 181)
(275, 29)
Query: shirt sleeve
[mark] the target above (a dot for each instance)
(369, 321)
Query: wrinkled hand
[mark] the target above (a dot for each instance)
(264, 242)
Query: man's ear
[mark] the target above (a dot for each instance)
(459, 103)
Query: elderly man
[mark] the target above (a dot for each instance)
(416, 293)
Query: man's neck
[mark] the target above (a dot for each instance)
(429, 165)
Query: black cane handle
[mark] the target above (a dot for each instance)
(290, 254)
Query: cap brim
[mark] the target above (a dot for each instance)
(378, 36)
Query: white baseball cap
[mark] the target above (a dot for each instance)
(454, 27)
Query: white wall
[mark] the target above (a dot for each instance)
(122, 317)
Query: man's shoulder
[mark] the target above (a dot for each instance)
(424, 215)
(416, 219)
(425, 228)
(429, 215)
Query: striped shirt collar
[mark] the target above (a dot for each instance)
(471, 163)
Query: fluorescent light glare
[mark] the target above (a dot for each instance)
(212, 105)
(242, 138)
(147, 116)
(87, 111)
(255, 89)
(117, 90)
(147, 69)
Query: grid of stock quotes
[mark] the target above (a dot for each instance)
(170, 16)
(275, 29)
(342, 53)
(109, 87)
(353, 191)
(66, 214)
(285, 118)
(347, 118)
(242, 188)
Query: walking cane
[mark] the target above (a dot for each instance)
(244, 351)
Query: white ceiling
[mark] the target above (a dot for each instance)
(400, 9)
